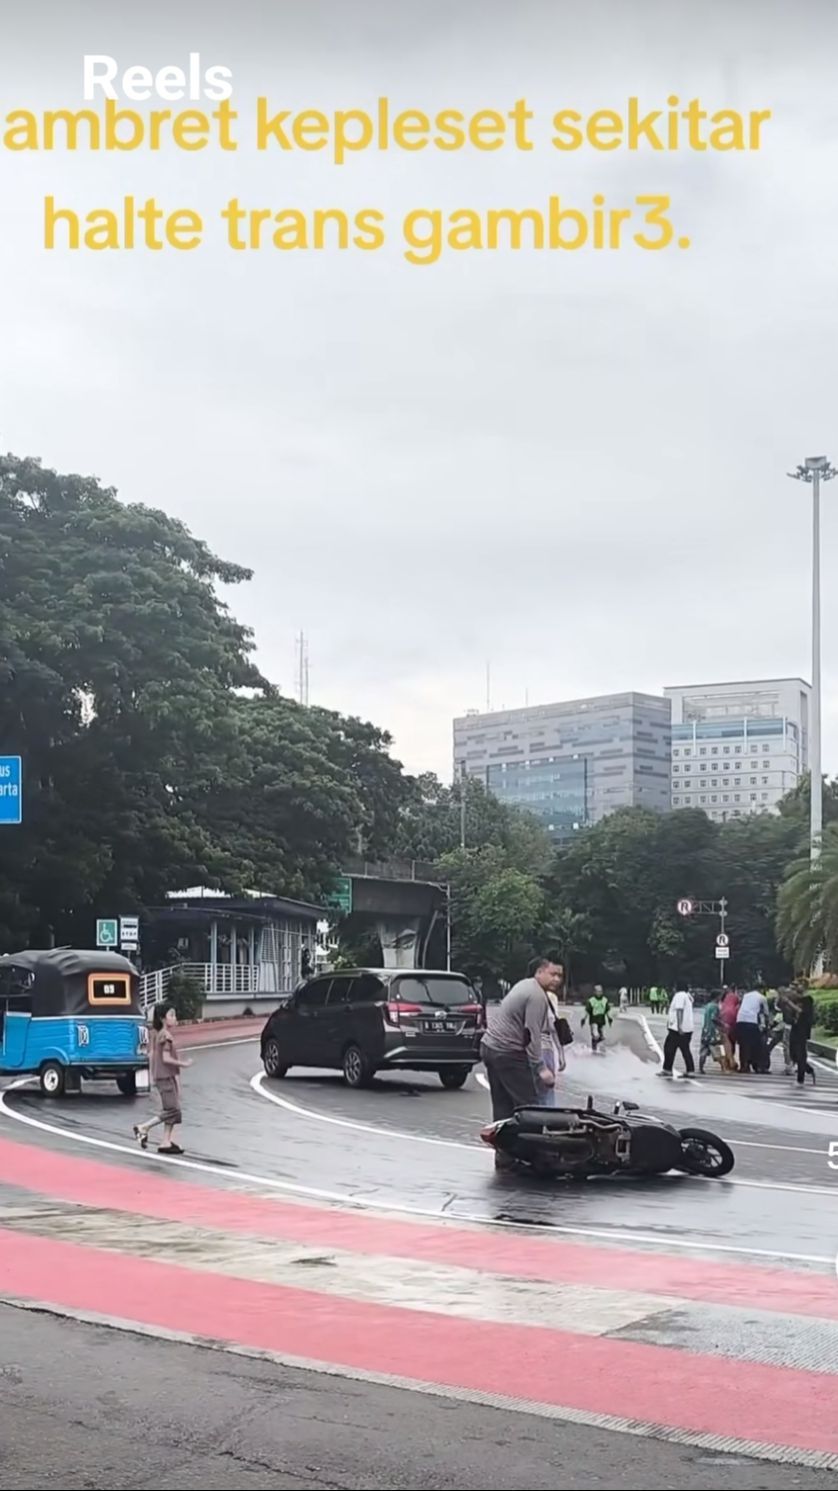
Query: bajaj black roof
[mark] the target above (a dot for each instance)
(59, 977)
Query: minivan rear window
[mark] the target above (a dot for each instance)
(430, 990)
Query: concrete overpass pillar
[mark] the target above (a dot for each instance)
(399, 941)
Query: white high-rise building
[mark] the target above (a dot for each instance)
(738, 748)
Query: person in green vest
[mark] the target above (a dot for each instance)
(598, 1015)
(653, 999)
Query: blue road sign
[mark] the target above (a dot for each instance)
(11, 789)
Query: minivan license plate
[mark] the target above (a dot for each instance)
(444, 1025)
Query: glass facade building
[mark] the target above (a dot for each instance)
(571, 764)
(554, 791)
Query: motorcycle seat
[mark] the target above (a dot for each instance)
(554, 1120)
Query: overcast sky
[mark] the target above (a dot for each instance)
(572, 465)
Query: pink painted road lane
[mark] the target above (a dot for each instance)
(672, 1390)
(147, 1189)
(597, 1371)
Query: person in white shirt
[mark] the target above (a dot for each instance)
(753, 1013)
(679, 1033)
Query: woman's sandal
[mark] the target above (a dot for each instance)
(141, 1136)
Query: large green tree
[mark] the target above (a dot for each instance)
(304, 790)
(117, 662)
(435, 819)
(498, 913)
(626, 875)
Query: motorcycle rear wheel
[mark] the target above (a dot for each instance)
(705, 1154)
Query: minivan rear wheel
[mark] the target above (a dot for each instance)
(453, 1077)
(358, 1070)
(272, 1058)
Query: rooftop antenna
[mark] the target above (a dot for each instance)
(488, 688)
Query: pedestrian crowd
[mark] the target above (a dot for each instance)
(740, 1031)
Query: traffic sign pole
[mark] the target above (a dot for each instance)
(688, 907)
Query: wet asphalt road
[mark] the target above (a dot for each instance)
(86, 1407)
(407, 1144)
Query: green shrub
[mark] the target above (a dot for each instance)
(187, 995)
(826, 1015)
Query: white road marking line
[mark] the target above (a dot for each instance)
(257, 1082)
(240, 1040)
(736, 1143)
(461, 1219)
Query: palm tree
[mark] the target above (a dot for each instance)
(571, 932)
(807, 907)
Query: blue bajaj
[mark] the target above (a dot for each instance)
(65, 1015)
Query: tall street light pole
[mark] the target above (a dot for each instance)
(814, 470)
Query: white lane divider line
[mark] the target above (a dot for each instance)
(257, 1082)
(360, 1203)
(613, 1236)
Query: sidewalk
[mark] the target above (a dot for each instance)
(228, 1031)
(611, 1338)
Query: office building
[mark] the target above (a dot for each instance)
(571, 764)
(738, 748)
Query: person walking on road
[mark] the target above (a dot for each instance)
(750, 1020)
(165, 1066)
(801, 1034)
(598, 1015)
(788, 1010)
(513, 1049)
(711, 1035)
(624, 1000)
(728, 1011)
(679, 1033)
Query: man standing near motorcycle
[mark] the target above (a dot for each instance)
(679, 1033)
(513, 1048)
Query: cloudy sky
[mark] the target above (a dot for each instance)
(571, 465)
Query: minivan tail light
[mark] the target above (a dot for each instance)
(395, 1011)
(474, 1009)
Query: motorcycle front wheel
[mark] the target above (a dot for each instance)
(705, 1154)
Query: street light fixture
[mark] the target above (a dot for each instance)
(814, 470)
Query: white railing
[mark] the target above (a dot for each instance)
(216, 980)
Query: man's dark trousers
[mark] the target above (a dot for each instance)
(678, 1040)
(511, 1081)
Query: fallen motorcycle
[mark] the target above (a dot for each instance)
(581, 1142)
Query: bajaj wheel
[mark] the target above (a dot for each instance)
(454, 1077)
(272, 1058)
(705, 1154)
(127, 1084)
(52, 1079)
(358, 1070)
